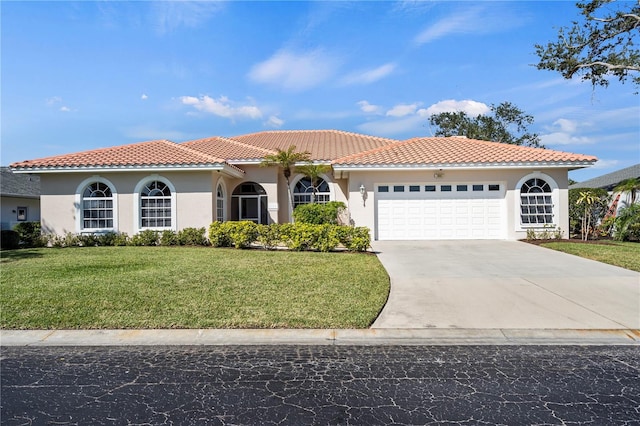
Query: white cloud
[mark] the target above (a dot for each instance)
(368, 108)
(54, 100)
(144, 97)
(274, 121)
(65, 109)
(369, 76)
(170, 15)
(221, 107)
(394, 127)
(295, 71)
(605, 164)
(477, 20)
(402, 110)
(471, 108)
(562, 132)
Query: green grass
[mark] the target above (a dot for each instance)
(625, 255)
(188, 287)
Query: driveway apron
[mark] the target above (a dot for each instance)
(503, 284)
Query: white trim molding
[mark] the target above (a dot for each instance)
(555, 201)
(78, 204)
(137, 225)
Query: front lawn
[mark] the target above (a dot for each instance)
(625, 255)
(188, 287)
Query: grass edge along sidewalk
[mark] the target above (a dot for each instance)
(188, 287)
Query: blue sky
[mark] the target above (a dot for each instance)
(84, 75)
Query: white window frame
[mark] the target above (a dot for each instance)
(555, 202)
(79, 203)
(324, 177)
(137, 199)
(220, 203)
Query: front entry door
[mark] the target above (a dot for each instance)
(249, 208)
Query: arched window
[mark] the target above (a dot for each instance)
(220, 203)
(156, 210)
(97, 207)
(536, 205)
(303, 192)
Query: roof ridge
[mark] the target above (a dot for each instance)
(195, 151)
(344, 132)
(377, 149)
(247, 145)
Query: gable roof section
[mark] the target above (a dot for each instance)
(610, 180)
(158, 154)
(458, 151)
(229, 149)
(323, 145)
(19, 185)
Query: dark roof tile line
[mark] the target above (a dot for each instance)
(610, 179)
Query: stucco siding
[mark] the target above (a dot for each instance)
(9, 210)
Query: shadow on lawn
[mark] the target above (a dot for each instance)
(18, 254)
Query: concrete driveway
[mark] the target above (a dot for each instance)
(503, 284)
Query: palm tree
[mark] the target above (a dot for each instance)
(314, 172)
(286, 160)
(632, 186)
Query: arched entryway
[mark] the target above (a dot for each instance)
(249, 202)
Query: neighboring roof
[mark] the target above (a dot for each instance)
(18, 185)
(610, 180)
(158, 153)
(458, 151)
(323, 145)
(342, 149)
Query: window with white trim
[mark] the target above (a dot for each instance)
(155, 205)
(220, 203)
(536, 202)
(303, 192)
(97, 207)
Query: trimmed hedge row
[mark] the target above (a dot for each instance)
(184, 237)
(295, 236)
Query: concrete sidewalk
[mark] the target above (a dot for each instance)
(370, 337)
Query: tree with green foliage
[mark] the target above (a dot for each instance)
(314, 172)
(603, 43)
(577, 211)
(507, 124)
(631, 187)
(589, 199)
(286, 160)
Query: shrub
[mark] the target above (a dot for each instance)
(242, 234)
(30, 234)
(145, 238)
(219, 234)
(120, 239)
(88, 240)
(168, 238)
(356, 238)
(269, 236)
(627, 225)
(192, 237)
(9, 240)
(318, 214)
(66, 240)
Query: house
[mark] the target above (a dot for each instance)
(421, 188)
(610, 180)
(19, 198)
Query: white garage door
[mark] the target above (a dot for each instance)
(440, 211)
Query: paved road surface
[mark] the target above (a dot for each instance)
(298, 385)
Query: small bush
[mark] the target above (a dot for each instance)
(318, 214)
(627, 224)
(120, 239)
(192, 237)
(9, 240)
(145, 238)
(88, 240)
(66, 240)
(268, 236)
(30, 234)
(242, 234)
(356, 238)
(168, 238)
(219, 234)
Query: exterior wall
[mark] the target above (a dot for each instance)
(267, 177)
(60, 209)
(363, 212)
(9, 210)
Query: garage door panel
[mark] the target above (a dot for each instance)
(440, 215)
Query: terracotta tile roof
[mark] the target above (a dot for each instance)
(458, 151)
(324, 145)
(228, 149)
(152, 153)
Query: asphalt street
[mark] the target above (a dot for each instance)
(300, 385)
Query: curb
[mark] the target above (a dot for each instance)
(341, 337)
